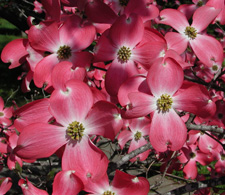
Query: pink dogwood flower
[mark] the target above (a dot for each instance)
(76, 118)
(29, 189)
(122, 184)
(206, 47)
(119, 44)
(190, 155)
(5, 185)
(64, 43)
(168, 94)
(5, 113)
(136, 130)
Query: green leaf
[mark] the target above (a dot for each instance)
(18, 168)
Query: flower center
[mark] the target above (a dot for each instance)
(220, 115)
(108, 192)
(75, 130)
(200, 3)
(192, 155)
(214, 67)
(123, 2)
(137, 136)
(222, 156)
(124, 54)
(191, 32)
(64, 52)
(165, 102)
(1, 114)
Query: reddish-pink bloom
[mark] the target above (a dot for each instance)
(59, 44)
(168, 93)
(76, 118)
(5, 114)
(190, 155)
(29, 189)
(5, 185)
(36, 111)
(207, 49)
(135, 131)
(15, 52)
(143, 8)
(122, 184)
(67, 182)
(119, 44)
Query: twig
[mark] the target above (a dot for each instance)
(211, 128)
(134, 153)
(214, 86)
(217, 140)
(13, 93)
(168, 165)
(191, 118)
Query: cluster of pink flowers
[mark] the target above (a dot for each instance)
(112, 70)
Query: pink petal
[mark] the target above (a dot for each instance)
(124, 137)
(213, 53)
(194, 98)
(76, 34)
(142, 105)
(168, 16)
(12, 160)
(132, 84)
(29, 189)
(127, 31)
(176, 42)
(117, 74)
(204, 158)
(40, 140)
(6, 184)
(34, 57)
(201, 20)
(103, 119)
(167, 131)
(140, 124)
(170, 53)
(221, 17)
(190, 170)
(217, 4)
(129, 184)
(67, 182)
(150, 48)
(44, 37)
(137, 144)
(79, 157)
(207, 144)
(187, 9)
(42, 72)
(52, 8)
(99, 12)
(1, 104)
(15, 52)
(81, 59)
(71, 103)
(165, 77)
(13, 140)
(147, 53)
(63, 72)
(98, 95)
(26, 81)
(3, 147)
(141, 8)
(36, 111)
(98, 187)
(105, 50)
